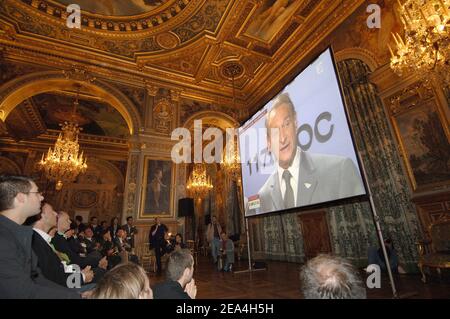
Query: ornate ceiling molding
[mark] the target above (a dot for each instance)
(184, 53)
(215, 118)
(325, 17)
(201, 16)
(162, 18)
(364, 55)
(19, 89)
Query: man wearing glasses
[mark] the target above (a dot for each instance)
(19, 275)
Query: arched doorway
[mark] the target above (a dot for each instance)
(102, 195)
(16, 91)
(221, 201)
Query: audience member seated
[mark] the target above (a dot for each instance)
(98, 264)
(175, 244)
(178, 243)
(49, 262)
(90, 241)
(96, 229)
(180, 283)
(109, 250)
(124, 246)
(80, 226)
(114, 227)
(52, 231)
(103, 227)
(20, 276)
(226, 252)
(331, 277)
(376, 257)
(125, 281)
(131, 231)
(75, 238)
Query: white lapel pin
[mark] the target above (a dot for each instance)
(307, 185)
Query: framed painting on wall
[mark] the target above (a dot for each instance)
(424, 141)
(158, 186)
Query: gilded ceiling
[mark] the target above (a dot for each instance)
(199, 47)
(47, 111)
(117, 7)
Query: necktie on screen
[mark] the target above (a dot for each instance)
(289, 200)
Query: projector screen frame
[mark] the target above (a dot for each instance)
(335, 202)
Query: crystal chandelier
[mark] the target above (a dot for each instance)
(199, 184)
(425, 49)
(64, 163)
(231, 161)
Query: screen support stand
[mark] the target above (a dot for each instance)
(376, 219)
(250, 268)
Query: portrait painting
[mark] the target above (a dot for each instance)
(270, 17)
(157, 188)
(425, 146)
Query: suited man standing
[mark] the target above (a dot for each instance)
(131, 231)
(157, 241)
(302, 178)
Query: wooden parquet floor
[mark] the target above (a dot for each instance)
(281, 281)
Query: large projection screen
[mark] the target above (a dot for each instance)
(307, 156)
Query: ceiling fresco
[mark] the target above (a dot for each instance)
(183, 44)
(116, 7)
(47, 111)
(270, 17)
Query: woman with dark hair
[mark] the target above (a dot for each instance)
(178, 243)
(114, 227)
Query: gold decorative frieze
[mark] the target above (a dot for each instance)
(78, 74)
(410, 97)
(187, 52)
(175, 95)
(166, 14)
(162, 116)
(152, 90)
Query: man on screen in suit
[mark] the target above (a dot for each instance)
(302, 178)
(157, 241)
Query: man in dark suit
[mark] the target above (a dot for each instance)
(49, 261)
(157, 241)
(131, 231)
(90, 241)
(124, 247)
(20, 276)
(180, 283)
(98, 264)
(302, 178)
(96, 228)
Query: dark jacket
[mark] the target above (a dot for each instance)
(61, 245)
(113, 231)
(124, 245)
(48, 261)
(158, 239)
(97, 232)
(20, 276)
(169, 290)
(131, 231)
